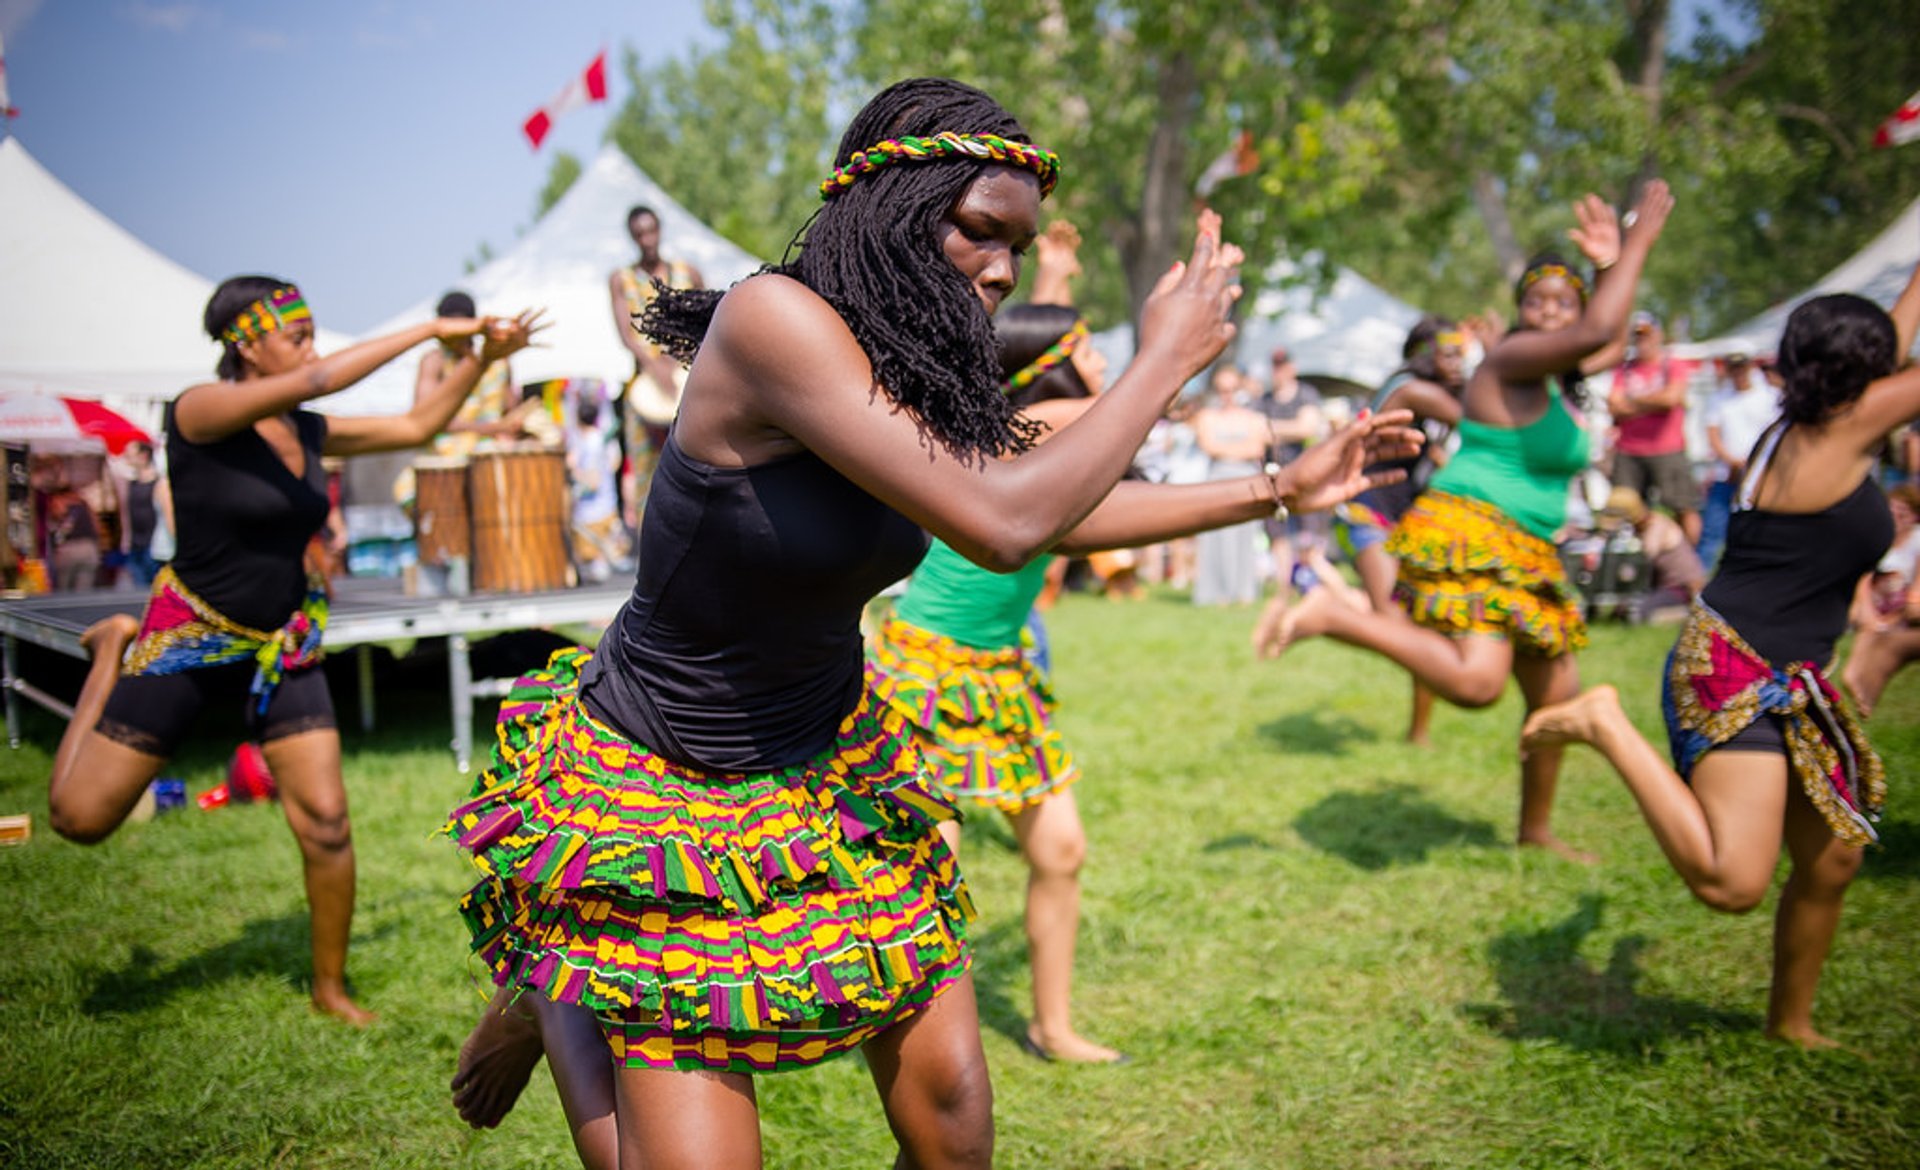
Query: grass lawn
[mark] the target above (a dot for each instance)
(1316, 943)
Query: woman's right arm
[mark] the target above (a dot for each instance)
(213, 410)
(809, 379)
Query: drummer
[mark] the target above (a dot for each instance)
(492, 414)
(652, 395)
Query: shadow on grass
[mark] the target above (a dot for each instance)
(999, 953)
(1316, 733)
(1899, 852)
(1394, 824)
(1552, 993)
(277, 947)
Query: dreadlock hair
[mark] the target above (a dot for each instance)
(1026, 332)
(1832, 347)
(873, 253)
(1420, 355)
(224, 307)
(1573, 383)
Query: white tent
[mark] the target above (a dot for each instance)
(86, 309)
(1878, 272)
(1354, 333)
(562, 266)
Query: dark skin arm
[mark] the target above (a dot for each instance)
(365, 434)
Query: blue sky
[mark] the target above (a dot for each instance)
(363, 148)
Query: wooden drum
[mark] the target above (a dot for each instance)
(520, 509)
(441, 528)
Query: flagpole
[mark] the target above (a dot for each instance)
(7, 112)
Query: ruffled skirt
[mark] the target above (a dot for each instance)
(1467, 568)
(983, 719)
(749, 922)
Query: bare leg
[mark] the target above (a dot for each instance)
(1420, 725)
(932, 1076)
(672, 1120)
(1467, 672)
(1544, 681)
(1722, 834)
(1805, 922)
(1055, 845)
(314, 797)
(1377, 574)
(1876, 657)
(96, 781)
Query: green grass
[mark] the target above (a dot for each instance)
(1316, 943)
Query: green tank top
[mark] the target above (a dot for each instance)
(1523, 471)
(951, 596)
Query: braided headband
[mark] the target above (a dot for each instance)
(945, 145)
(1533, 276)
(1454, 338)
(1055, 354)
(277, 310)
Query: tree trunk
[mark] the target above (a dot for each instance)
(1492, 205)
(1152, 246)
(1649, 66)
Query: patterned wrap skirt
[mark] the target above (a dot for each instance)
(983, 719)
(1467, 568)
(748, 922)
(1717, 686)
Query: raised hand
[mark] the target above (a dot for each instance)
(1187, 317)
(1334, 470)
(1598, 233)
(1649, 215)
(506, 336)
(457, 328)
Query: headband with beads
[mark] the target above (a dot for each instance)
(1054, 355)
(945, 145)
(1533, 276)
(277, 310)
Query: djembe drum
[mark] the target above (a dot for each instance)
(520, 507)
(442, 530)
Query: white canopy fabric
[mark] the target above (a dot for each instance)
(1355, 332)
(86, 309)
(1877, 272)
(562, 266)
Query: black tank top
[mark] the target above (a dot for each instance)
(740, 648)
(142, 517)
(1787, 579)
(243, 519)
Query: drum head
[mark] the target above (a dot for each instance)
(651, 401)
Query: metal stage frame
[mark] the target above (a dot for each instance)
(364, 613)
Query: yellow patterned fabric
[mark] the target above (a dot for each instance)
(983, 719)
(1717, 686)
(1467, 568)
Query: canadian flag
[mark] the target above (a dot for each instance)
(1238, 159)
(590, 86)
(1904, 126)
(6, 107)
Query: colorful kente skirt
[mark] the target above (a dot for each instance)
(983, 718)
(1467, 568)
(1717, 686)
(179, 632)
(749, 922)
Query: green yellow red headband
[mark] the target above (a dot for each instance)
(1054, 355)
(1533, 276)
(277, 310)
(945, 145)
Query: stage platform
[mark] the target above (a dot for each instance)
(365, 613)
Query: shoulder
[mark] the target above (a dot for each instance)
(775, 309)
(311, 425)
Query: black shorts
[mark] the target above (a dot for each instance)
(152, 713)
(1662, 480)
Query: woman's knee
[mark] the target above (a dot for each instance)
(1732, 895)
(80, 825)
(1059, 853)
(324, 831)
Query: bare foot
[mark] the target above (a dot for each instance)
(1071, 1048)
(495, 1062)
(1578, 720)
(109, 635)
(1308, 619)
(1558, 848)
(1419, 739)
(337, 1005)
(1266, 631)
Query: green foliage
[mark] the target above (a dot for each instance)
(561, 174)
(1315, 942)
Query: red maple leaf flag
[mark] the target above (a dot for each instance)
(1238, 159)
(1903, 126)
(590, 86)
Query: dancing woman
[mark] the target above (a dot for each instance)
(234, 616)
(1479, 574)
(951, 660)
(1764, 750)
(708, 833)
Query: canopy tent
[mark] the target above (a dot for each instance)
(1878, 272)
(86, 309)
(562, 266)
(1352, 334)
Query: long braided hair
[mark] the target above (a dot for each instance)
(873, 253)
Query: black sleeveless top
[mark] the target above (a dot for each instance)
(1787, 579)
(142, 516)
(243, 519)
(740, 648)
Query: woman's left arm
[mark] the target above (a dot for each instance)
(435, 406)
